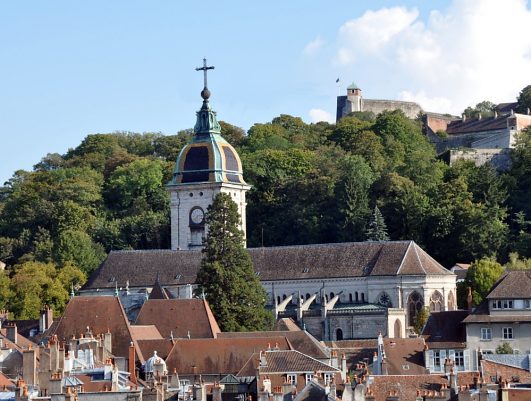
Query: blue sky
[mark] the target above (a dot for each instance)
(69, 69)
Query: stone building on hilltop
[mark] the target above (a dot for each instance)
(353, 101)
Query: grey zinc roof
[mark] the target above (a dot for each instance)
(342, 260)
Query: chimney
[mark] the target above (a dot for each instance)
(11, 332)
(29, 366)
(107, 343)
(131, 363)
(528, 111)
(277, 393)
(495, 114)
(479, 116)
(463, 117)
(46, 319)
(216, 392)
(469, 298)
(453, 382)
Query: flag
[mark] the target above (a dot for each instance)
(337, 80)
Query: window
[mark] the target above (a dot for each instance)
(327, 378)
(436, 302)
(309, 377)
(507, 333)
(437, 359)
(292, 379)
(507, 304)
(459, 359)
(496, 304)
(486, 333)
(527, 303)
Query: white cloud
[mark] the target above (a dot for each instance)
(473, 50)
(317, 115)
(314, 46)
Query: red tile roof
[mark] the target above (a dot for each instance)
(100, 314)
(404, 356)
(218, 356)
(179, 317)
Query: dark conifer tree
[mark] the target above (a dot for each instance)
(377, 229)
(226, 277)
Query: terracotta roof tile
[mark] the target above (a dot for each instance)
(301, 341)
(217, 356)
(179, 317)
(404, 356)
(147, 332)
(406, 386)
(100, 314)
(148, 348)
(276, 263)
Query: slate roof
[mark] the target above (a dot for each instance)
(285, 361)
(405, 356)
(217, 355)
(342, 260)
(301, 341)
(286, 324)
(445, 330)
(513, 284)
(471, 125)
(179, 317)
(100, 314)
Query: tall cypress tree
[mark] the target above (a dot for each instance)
(377, 229)
(226, 276)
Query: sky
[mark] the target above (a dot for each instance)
(71, 68)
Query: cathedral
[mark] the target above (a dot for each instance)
(334, 291)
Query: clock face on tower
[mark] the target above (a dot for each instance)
(197, 215)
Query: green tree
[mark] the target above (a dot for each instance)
(485, 108)
(78, 248)
(504, 348)
(524, 100)
(377, 229)
(515, 263)
(481, 276)
(420, 321)
(226, 276)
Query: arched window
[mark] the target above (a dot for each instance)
(284, 297)
(332, 295)
(414, 304)
(362, 297)
(384, 299)
(451, 301)
(307, 296)
(339, 334)
(436, 302)
(350, 297)
(278, 299)
(398, 329)
(357, 299)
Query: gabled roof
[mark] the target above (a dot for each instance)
(286, 324)
(101, 314)
(148, 347)
(404, 356)
(471, 125)
(446, 329)
(513, 284)
(145, 332)
(301, 341)
(217, 355)
(293, 361)
(179, 318)
(341, 260)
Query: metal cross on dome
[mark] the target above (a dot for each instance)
(204, 68)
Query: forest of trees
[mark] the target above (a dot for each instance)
(312, 183)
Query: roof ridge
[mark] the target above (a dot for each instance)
(403, 258)
(418, 257)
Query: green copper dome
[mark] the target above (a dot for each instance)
(208, 157)
(353, 86)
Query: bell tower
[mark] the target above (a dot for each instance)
(205, 167)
